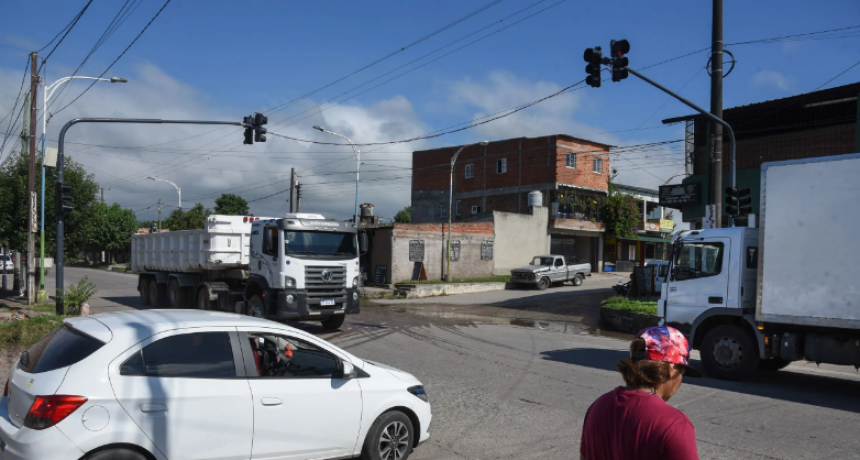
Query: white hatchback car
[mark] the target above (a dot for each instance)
(186, 384)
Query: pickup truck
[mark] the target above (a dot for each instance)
(548, 270)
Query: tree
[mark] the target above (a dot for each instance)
(111, 228)
(404, 216)
(231, 205)
(621, 214)
(193, 219)
(13, 203)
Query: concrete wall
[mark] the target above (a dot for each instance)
(519, 237)
(434, 236)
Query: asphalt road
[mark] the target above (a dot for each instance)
(507, 380)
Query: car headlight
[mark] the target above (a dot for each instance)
(418, 390)
(289, 282)
(355, 282)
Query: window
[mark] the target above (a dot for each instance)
(270, 241)
(752, 257)
(287, 357)
(470, 171)
(501, 166)
(571, 160)
(201, 355)
(60, 348)
(320, 243)
(598, 165)
(476, 210)
(559, 262)
(440, 211)
(457, 208)
(663, 270)
(699, 260)
(649, 251)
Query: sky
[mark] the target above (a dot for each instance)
(383, 71)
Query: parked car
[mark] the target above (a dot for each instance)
(6, 262)
(547, 270)
(662, 267)
(170, 384)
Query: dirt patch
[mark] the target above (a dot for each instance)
(7, 357)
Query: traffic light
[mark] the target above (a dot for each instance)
(249, 131)
(594, 57)
(66, 197)
(619, 48)
(259, 131)
(737, 201)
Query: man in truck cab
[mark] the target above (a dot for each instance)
(634, 422)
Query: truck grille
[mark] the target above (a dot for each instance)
(319, 289)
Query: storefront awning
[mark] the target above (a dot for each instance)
(649, 239)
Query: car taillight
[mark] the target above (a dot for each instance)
(48, 411)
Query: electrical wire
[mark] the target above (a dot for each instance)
(67, 29)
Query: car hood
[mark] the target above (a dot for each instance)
(397, 373)
(531, 269)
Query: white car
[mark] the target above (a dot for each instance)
(6, 262)
(187, 384)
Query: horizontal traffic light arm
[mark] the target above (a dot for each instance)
(695, 107)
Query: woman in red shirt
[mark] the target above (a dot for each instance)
(634, 422)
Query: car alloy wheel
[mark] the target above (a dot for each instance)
(394, 441)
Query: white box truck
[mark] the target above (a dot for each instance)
(759, 298)
(301, 267)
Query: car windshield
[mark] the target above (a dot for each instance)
(319, 243)
(542, 261)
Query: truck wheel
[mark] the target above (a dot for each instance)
(577, 280)
(155, 298)
(773, 364)
(254, 307)
(175, 294)
(143, 288)
(333, 322)
(390, 437)
(203, 300)
(729, 352)
(543, 283)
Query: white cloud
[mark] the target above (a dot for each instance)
(774, 79)
(208, 160)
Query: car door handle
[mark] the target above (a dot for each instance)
(151, 408)
(271, 401)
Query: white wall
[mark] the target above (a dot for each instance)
(519, 237)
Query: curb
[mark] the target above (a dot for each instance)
(627, 321)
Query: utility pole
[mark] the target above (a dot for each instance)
(298, 197)
(103, 194)
(159, 214)
(716, 195)
(31, 186)
(292, 190)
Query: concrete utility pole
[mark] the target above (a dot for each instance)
(716, 195)
(159, 214)
(298, 197)
(103, 194)
(292, 190)
(31, 186)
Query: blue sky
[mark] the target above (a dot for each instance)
(223, 59)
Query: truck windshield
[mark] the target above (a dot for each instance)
(319, 243)
(542, 261)
(698, 260)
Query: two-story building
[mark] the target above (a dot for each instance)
(820, 123)
(571, 175)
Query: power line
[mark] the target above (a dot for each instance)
(118, 57)
(793, 36)
(68, 29)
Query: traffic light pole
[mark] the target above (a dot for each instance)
(60, 310)
(704, 112)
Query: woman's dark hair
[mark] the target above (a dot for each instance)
(640, 373)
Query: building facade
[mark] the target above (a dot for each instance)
(821, 123)
(571, 174)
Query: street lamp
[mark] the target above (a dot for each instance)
(178, 190)
(357, 165)
(450, 204)
(46, 96)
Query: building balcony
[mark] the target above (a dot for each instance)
(562, 224)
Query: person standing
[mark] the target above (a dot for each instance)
(634, 422)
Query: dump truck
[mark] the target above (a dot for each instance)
(300, 267)
(759, 298)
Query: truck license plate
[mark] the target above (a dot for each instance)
(327, 302)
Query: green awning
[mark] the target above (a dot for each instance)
(649, 239)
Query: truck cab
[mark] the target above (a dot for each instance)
(304, 267)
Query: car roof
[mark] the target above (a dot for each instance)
(140, 324)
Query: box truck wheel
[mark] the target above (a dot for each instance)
(773, 364)
(203, 300)
(143, 288)
(156, 298)
(254, 307)
(333, 322)
(177, 297)
(729, 352)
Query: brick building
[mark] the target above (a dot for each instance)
(820, 123)
(572, 175)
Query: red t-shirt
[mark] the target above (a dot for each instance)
(634, 425)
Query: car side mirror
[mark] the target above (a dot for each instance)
(362, 243)
(349, 372)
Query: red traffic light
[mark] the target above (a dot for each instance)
(619, 47)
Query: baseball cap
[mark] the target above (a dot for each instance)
(666, 344)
